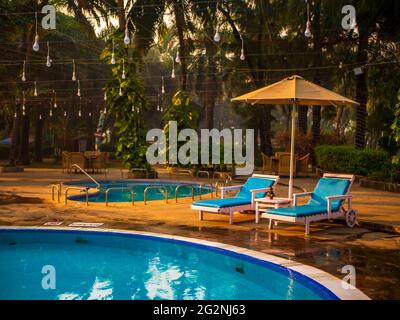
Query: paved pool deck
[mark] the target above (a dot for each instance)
(373, 247)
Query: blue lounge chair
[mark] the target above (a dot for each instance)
(326, 203)
(255, 187)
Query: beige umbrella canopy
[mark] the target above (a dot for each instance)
(295, 91)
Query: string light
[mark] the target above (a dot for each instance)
(23, 103)
(158, 102)
(177, 59)
(126, 38)
(65, 113)
(48, 60)
(90, 114)
(73, 70)
(23, 78)
(79, 113)
(35, 92)
(113, 53)
(55, 99)
(162, 85)
(15, 115)
(242, 56)
(120, 90)
(173, 69)
(133, 108)
(123, 69)
(78, 93)
(50, 113)
(40, 117)
(217, 36)
(35, 46)
(105, 110)
(105, 96)
(307, 33)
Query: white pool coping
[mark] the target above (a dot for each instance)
(335, 285)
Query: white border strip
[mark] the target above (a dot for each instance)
(323, 278)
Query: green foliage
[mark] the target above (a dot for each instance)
(181, 111)
(396, 123)
(127, 109)
(346, 159)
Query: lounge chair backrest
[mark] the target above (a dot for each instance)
(255, 183)
(330, 187)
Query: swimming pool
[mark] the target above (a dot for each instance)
(156, 191)
(135, 265)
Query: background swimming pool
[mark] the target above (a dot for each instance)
(96, 265)
(138, 188)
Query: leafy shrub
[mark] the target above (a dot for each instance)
(346, 159)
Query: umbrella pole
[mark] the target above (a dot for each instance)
(292, 151)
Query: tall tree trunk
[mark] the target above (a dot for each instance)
(302, 119)
(361, 94)
(14, 138)
(180, 22)
(266, 145)
(121, 15)
(38, 156)
(23, 156)
(316, 111)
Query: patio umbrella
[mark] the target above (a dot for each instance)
(294, 91)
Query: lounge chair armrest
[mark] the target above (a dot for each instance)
(329, 200)
(255, 191)
(230, 188)
(300, 195)
(343, 197)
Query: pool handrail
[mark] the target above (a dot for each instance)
(87, 174)
(181, 186)
(85, 189)
(155, 187)
(120, 188)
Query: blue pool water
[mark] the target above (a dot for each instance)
(110, 265)
(138, 188)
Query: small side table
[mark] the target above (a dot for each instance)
(263, 204)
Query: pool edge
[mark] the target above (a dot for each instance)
(324, 279)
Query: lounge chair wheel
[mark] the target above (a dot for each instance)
(351, 218)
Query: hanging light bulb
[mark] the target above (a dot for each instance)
(126, 38)
(48, 60)
(177, 59)
(15, 115)
(55, 100)
(307, 33)
(217, 36)
(35, 46)
(162, 85)
(105, 96)
(242, 56)
(90, 114)
(158, 107)
(23, 78)
(50, 113)
(113, 53)
(161, 109)
(340, 65)
(40, 117)
(73, 70)
(120, 90)
(105, 110)
(173, 70)
(65, 113)
(123, 69)
(23, 108)
(78, 93)
(35, 93)
(79, 113)
(133, 108)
